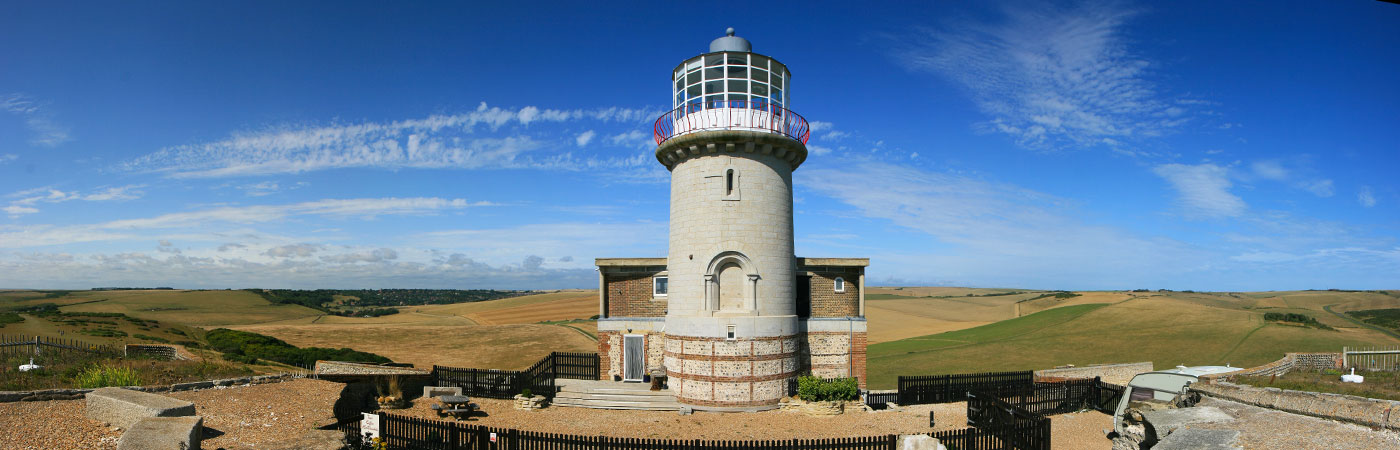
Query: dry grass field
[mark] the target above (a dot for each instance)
(199, 308)
(1166, 328)
(513, 346)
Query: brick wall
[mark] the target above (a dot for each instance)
(630, 295)
(835, 355)
(826, 302)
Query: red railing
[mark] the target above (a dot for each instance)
(755, 115)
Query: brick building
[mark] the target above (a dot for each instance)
(731, 314)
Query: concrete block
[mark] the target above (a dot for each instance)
(192, 386)
(1393, 417)
(123, 408)
(312, 440)
(1197, 439)
(163, 433)
(1164, 422)
(435, 391)
(918, 442)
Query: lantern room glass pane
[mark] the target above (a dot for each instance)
(680, 84)
(680, 98)
(737, 59)
(713, 60)
(777, 81)
(737, 100)
(693, 91)
(692, 64)
(759, 75)
(758, 61)
(738, 86)
(776, 95)
(714, 87)
(760, 89)
(738, 72)
(714, 101)
(692, 78)
(714, 73)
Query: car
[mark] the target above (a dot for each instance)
(1157, 389)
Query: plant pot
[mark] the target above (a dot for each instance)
(617, 377)
(646, 378)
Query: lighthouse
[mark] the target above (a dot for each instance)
(731, 315)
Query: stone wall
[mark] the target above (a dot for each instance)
(1110, 373)
(1364, 411)
(1289, 362)
(630, 295)
(741, 373)
(826, 302)
(829, 354)
(610, 352)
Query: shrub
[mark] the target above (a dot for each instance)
(10, 317)
(238, 345)
(527, 393)
(815, 389)
(104, 376)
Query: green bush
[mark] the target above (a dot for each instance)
(151, 338)
(815, 389)
(10, 317)
(527, 393)
(240, 345)
(104, 376)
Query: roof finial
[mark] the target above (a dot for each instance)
(729, 31)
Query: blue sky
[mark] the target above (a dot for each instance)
(1073, 145)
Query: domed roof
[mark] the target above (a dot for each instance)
(730, 43)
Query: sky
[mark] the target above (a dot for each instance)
(1063, 145)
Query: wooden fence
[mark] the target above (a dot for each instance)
(1375, 358)
(1009, 425)
(11, 345)
(954, 388)
(401, 432)
(539, 378)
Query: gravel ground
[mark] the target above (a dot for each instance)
(1263, 428)
(247, 416)
(1076, 431)
(53, 425)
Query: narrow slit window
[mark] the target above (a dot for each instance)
(840, 284)
(729, 182)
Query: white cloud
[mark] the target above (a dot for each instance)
(633, 138)
(1270, 170)
(1365, 197)
(46, 132)
(1204, 190)
(373, 256)
(292, 250)
(991, 234)
(362, 208)
(8, 157)
(1320, 188)
(584, 138)
(1052, 77)
(817, 126)
(16, 210)
(440, 141)
(25, 200)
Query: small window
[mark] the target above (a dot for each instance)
(658, 286)
(729, 333)
(729, 182)
(840, 284)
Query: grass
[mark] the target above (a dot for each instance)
(1167, 329)
(199, 308)
(509, 347)
(1381, 385)
(98, 376)
(69, 371)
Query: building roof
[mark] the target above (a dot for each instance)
(635, 262)
(629, 262)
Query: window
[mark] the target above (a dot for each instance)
(729, 334)
(731, 184)
(840, 284)
(658, 286)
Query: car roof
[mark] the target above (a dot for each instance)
(1198, 371)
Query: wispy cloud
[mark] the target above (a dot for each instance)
(361, 208)
(1365, 197)
(440, 141)
(1203, 190)
(584, 138)
(46, 132)
(8, 157)
(1052, 77)
(991, 233)
(25, 200)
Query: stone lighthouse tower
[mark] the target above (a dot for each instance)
(731, 315)
(731, 147)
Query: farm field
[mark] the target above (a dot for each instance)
(1168, 329)
(198, 308)
(512, 347)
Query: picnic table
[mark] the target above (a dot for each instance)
(459, 406)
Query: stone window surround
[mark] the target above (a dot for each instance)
(839, 285)
(712, 288)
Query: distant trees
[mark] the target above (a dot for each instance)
(1301, 319)
(246, 347)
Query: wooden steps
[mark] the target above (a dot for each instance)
(613, 395)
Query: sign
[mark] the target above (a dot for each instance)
(493, 437)
(369, 426)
